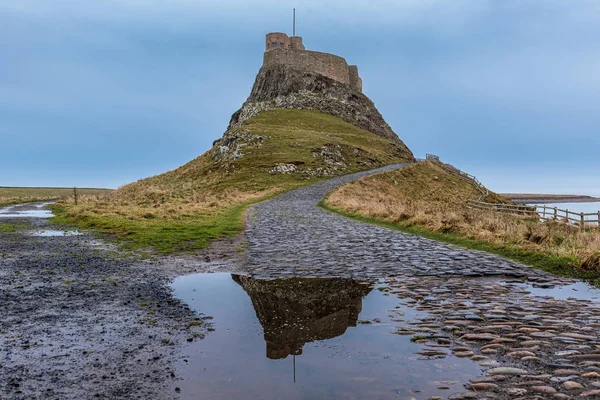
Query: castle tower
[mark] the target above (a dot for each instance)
(281, 49)
(279, 40)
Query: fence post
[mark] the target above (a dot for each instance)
(555, 213)
(598, 220)
(582, 221)
(75, 195)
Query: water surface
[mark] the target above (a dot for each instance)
(307, 339)
(29, 210)
(53, 232)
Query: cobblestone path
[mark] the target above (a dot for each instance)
(291, 236)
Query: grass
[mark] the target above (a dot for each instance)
(187, 208)
(13, 226)
(424, 200)
(16, 195)
(186, 233)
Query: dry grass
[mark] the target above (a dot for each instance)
(424, 195)
(15, 195)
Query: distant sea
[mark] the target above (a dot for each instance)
(575, 207)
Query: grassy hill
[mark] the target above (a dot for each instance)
(425, 200)
(273, 152)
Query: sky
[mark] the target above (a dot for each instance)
(102, 93)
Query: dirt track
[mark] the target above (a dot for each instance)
(81, 320)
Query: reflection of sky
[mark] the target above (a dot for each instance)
(366, 361)
(578, 290)
(36, 210)
(104, 93)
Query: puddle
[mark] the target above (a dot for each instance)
(305, 339)
(50, 232)
(577, 290)
(30, 210)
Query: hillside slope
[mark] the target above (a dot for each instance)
(270, 152)
(422, 193)
(274, 151)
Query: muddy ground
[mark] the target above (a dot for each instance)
(82, 320)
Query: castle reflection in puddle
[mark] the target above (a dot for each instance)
(312, 317)
(297, 311)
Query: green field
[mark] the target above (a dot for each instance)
(15, 195)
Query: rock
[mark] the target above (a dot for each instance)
(489, 351)
(478, 358)
(463, 354)
(520, 354)
(506, 371)
(483, 386)
(479, 336)
(595, 392)
(492, 346)
(463, 396)
(584, 357)
(543, 389)
(578, 336)
(563, 378)
(516, 391)
(285, 87)
(566, 372)
(487, 379)
(570, 385)
(283, 169)
(530, 359)
(542, 334)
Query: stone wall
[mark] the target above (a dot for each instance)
(355, 81)
(276, 40)
(284, 50)
(325, 64)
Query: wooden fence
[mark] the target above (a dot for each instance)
(543, 213)
(576, 218)
(460, 174)
(515, 209)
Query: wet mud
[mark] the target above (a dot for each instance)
(82, 320)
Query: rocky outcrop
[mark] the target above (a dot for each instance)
(284, 87)
(294, 312)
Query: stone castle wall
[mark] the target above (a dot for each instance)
(284, 50)
(328, 65)
(355, 81)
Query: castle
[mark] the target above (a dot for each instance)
(285, 50)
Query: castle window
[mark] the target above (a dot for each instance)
(281, 45)
(273, 45)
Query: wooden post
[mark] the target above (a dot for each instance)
(598, 220)
(582, 222)
(555, 213)
(75, 195)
